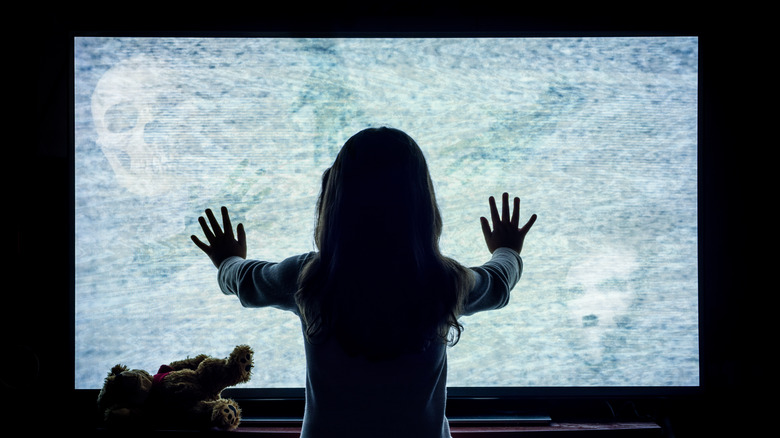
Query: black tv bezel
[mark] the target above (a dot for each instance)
(288, 402)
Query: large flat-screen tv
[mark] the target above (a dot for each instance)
(598, 135)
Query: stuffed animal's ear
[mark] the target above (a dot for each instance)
(117, 369)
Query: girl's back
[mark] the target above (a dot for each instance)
(351, 396)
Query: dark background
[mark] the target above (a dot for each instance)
(737, 234)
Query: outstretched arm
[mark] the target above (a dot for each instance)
(505, 232)
(221, 242)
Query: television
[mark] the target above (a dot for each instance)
(597, 134)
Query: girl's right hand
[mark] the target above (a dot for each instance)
(505, 232)
(222, 243)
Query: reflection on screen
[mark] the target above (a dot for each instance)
(598, 136)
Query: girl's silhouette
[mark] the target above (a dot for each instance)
(378, 302)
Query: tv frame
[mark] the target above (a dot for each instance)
(465, 402)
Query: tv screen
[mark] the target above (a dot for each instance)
(596, 135)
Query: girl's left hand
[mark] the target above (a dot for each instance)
(505, 232)
(222, 244)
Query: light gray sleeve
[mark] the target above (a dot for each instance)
(494, 281)
(262, 284)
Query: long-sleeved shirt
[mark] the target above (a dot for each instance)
(350, 396)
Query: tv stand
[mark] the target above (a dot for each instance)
(483, 427)
(628, 430)
(499, 420)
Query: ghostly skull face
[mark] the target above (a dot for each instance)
(124, 104)
(606, 294)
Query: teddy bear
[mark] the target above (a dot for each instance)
(185, 393)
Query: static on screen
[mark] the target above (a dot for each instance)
(597, 136)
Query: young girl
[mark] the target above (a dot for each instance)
(378, 302)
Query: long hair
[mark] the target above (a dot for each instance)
(379, 282)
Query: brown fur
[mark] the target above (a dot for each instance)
(189, 397)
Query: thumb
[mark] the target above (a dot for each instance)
(241, 237)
